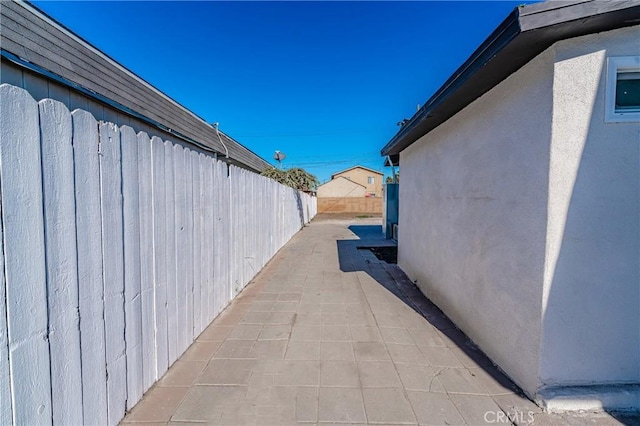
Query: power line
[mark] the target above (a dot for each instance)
(329, 163)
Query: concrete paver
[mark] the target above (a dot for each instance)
(327, 333)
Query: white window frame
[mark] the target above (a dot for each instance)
(614, 65)
(371, 180)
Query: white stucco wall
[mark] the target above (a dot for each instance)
(591, 303)
(520, 219)
(473, 217)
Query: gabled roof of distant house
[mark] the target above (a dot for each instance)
(341, 177)
(524, 34)
(356, 167)
(34, 41)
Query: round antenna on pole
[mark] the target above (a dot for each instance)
(279, 156)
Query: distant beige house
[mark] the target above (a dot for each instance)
(356, 181)
(341, 187)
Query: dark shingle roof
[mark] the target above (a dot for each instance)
(32, 39)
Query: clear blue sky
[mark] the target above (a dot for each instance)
(323, 82)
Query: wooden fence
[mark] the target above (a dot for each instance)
(364, 205)
(117, 251)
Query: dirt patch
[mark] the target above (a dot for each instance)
(387, 254)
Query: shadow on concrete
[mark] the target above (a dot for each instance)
(352, 258)
(300, 207)
(369, 232)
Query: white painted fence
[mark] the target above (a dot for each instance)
(117, 251)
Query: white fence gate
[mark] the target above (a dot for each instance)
(117, 251)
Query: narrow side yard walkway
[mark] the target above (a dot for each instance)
(327, 333)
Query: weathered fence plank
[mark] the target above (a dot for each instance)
(113, 273)
(6, 412)
(170, 226)
(146, 260)
(160, 255)
(91, 290)
(181, 243)
(196, 214)
(61, 259)
(216, 233)
(206, 166)
(24, 251)
(132, 290)
(188, 248)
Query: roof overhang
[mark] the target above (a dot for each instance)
(356, 167)
(26, 36)
(524, 34)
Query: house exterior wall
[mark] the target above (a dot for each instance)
(520, 218)
(341, 187)
(361, 175)
(473, 217)
(591, 299)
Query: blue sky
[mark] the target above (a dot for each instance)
(323, 82)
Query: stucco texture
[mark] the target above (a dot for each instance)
(361, 175)
(473, 217)
(341, 187)
(591, 304)
(519, 218)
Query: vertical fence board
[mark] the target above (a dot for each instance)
(61, 260)
(26, 293)
(6, 413)
(196, 214)
(204, 237)
(235, 242)
(146, 260)
(181, 242)
(228, 243)
(132, 289)
(215, 231)
(89, 247)
(170, 226)
(207, 251)
(188, 249)
(113, 272)
(160, 255)
(223, 240)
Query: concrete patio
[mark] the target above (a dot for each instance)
(327, 333)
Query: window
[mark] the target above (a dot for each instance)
(623, 89)
(371, 180)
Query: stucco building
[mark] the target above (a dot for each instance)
(350, 182)
(341, 187)
(520, 201)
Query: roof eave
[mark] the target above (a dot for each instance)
(355, 167)
(508, 29)
(526, 33)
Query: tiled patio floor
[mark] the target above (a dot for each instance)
(328, 333)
